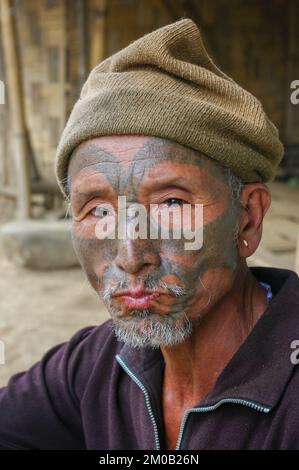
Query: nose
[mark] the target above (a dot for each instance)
(137, 255)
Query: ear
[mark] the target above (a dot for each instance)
(255, 200)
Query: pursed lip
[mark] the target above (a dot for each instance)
(139, 297)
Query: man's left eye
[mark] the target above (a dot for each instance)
(174, 201)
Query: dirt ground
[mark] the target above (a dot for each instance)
(39, 309)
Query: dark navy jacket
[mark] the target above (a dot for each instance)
(94, 392)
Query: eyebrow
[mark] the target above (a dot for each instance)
(89, 181)
(82, 196)
(89, 193)
(174, 181)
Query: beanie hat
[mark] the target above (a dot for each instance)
(166, 85)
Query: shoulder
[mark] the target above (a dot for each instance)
(93, 339)
(89, 349)
(40, 407)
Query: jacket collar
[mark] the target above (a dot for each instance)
(260, 368)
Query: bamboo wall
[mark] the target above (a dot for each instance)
(60, 40)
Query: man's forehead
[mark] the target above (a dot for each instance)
(121, 146)
(118, 156)
(103, 153)
(125, 149)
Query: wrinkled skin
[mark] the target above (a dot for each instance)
(146, 174)
(222, 299)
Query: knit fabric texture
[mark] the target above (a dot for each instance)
(166, 85)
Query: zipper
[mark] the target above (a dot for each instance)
(138, 382)
(204, 409)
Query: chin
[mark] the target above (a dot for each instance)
(152, 330)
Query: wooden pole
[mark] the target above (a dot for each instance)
(98, 41)
(14, 92)
(8, 191)
(62, 63)
(81, 34)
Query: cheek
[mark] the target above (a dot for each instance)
(211, 288)
(184, 264)
(187, 260)
(210, 268)
(94, 255)
(219, 247)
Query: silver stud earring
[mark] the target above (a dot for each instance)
(245, 242)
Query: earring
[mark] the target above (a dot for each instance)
(245, 242)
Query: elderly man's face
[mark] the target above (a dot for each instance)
(156, 290)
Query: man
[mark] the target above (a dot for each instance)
(198, 351)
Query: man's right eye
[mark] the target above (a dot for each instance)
(100, 211)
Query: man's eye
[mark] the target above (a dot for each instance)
(174, 201)
(100, 211)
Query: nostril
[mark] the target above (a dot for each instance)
(132, 260)
(132, 266)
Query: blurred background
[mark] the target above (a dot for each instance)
(47, 48)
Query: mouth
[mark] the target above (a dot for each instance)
(138, 297)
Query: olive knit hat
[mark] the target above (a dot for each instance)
(166, 85)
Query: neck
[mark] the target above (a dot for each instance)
(193, 366)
